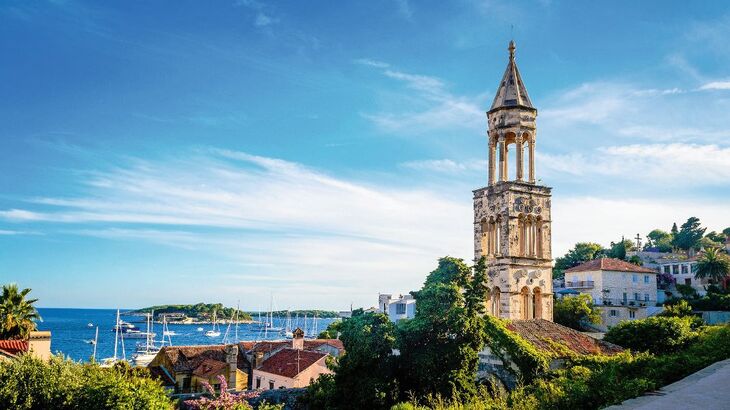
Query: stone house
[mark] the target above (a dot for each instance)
(183, 369)
(38, 344)
(620, 290)
(291, 366)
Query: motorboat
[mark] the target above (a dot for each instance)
(215, 332)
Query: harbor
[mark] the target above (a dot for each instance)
(72, 333)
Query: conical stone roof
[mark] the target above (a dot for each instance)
(511, 91)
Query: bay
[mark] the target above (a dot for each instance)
(70, 332)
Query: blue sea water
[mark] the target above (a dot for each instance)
(70, 332)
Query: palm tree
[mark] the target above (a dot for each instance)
(713, 265)
(17, 314)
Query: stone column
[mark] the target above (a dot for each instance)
(518, 144)
(502, 159)
(531, 145)
(492, 165)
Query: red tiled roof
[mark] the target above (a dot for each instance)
(14, 347)
(188, 358)
(209, 368)
(316, 343)
(159, 373)
(543, 334)
(290, 362)
(609, 264)
(309, 344)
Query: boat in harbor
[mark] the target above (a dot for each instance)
(200, 329)
(147, 351)
(215, 332)
(118, 338)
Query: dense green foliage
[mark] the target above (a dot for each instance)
(595, 381)
(654, 334)
(18, 316)
(716, 299)
(439, 347)
(581, 252)
(29, 383)
(576, 311)
(660, 240)
(684, 310)
(689, 234)
(199, 310)
(332, 331)
(322, 314)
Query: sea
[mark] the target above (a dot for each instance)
(73, 329)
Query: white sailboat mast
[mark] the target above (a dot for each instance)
(116, 336)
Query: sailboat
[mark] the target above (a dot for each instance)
(146, 352)
(118, 337)
(287, 332)
(270, 319)
(234, 319)
(215, 332)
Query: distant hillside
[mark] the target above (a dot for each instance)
(199, 311)
(324, 314)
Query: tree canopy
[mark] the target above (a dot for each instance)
(713, 265)
(581, 252)
(18, 316)
(576, 311)
(689, 234)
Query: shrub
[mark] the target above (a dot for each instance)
(29, 383)
(655, 334)
(575, 311)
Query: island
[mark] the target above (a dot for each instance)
(197, 313)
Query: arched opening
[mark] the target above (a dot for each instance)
(498, 236)
(511, 148)
(484, 241)
(538, 237)
(496, 302)
(521, 229)
(525, 303)
(488, 303)
(537, 303)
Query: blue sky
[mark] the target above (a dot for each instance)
(185, 151)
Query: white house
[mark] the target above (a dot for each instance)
(620, 290)
(397, 308)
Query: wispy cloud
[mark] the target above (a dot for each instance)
(426, 105)
(716, 85)
(682, 165)
(446, 165)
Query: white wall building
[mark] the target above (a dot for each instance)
(397, 308)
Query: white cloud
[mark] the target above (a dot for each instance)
(446, 165)
(427, 106)
(262, 20)
(682, 165)
(716, 85)
(371, 63)
(271, 218)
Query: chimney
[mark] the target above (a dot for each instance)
(297, 341)
(258, 360)
(232, 360)
(39, 344)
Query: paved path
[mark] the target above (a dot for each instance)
(708, 389)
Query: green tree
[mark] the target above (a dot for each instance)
(718, 238)
(332, 330)
(576, 311)
(726, 232)
(661, 240)
(658, 335)
(18, 316)
(618, 250)
(581, 252)
(365, 375)
(713, 265)
(439, 347)
(689, 234)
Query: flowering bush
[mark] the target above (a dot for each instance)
(223, 401)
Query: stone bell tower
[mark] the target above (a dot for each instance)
(512, 213)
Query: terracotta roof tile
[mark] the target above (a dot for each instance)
(209, 368)
(610, 264)
(290, 362)
(543, 334)
(14, 347)
(159, 373)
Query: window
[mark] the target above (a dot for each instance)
(675, 269)
(667, 269)
(646, 297)
(258, 382)
(271, 385)
(646, 278)
(614, 312)
(632, 314)
(635, 278)
(626, 296)
(186, 384)
(636, 296)
(684, 269)
(400, 309)
(687, 281)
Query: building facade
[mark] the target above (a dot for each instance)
(397, 308)
(512, 219)
(620, 290)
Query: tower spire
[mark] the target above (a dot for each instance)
(511, 91)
